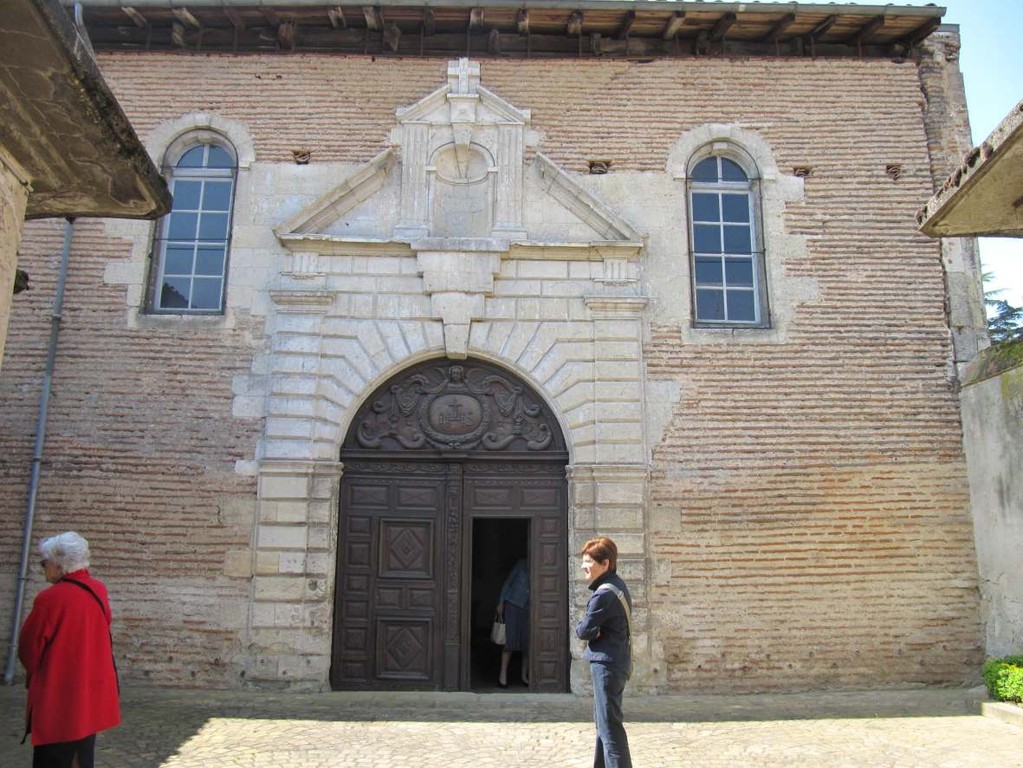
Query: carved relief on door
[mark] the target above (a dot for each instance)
(432, 449)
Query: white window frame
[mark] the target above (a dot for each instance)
(175, 152)
(751, 188)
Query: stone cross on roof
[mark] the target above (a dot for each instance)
(463, 76)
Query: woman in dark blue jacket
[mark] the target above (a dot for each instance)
(513, 605)
(606, 630)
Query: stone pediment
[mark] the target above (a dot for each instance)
(462, 174)
(461, 188)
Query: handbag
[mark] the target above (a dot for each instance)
(498, 633)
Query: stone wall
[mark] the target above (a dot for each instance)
(791, 501)
(993, 428)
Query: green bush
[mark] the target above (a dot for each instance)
(1004, 678)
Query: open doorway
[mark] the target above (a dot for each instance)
(497, 544)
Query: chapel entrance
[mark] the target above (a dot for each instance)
(452, 471)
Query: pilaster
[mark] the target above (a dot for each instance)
(289, 632)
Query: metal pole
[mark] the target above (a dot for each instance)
(37, 457)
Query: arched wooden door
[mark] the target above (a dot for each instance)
(434, 449)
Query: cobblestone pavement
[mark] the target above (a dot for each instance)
(937, 728)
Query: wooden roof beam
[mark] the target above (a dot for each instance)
(235, 18)
(867, 30)
(722, 26)
(185, 17)
(178, 34)
(574, 27)
(392, 36)
(286, 34)
(823, 27)
(494, 42)
(779, 27)
(337, 17)
(476, 18)
(674, 25)
(271, 16)
(522, 20)
(919, 34)
(137, 18)
(374, 21)
(429, 22)
(626, 27)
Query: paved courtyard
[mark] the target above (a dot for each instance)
(937, 728)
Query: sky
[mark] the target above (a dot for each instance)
(991, 60)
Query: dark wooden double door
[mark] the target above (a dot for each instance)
(417, 583)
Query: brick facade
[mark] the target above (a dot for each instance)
(792, 502)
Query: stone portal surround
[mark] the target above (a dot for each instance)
(320, 368)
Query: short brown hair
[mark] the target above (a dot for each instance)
(603, 550)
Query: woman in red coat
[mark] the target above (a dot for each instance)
(69, 663)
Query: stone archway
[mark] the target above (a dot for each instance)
(436, 448)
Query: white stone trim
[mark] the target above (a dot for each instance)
(164, 135)
(784, 292)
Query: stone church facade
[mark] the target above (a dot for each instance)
(473, 307)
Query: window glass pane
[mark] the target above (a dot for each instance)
(740, 306)
(182, 226)
(210, 262)
(710, 305)
(731, 171)
(706, 170)
(219, 158)
(735, 207)
(737, 240)
(706, 238)
(186, 195)
(193, 245)
(174, 294)
(217, 196)
(206, 293)
(739, 272)
(705, 207)
(192, 158)
(177, 259)
(708, 271)
(213, 226)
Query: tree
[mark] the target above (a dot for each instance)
(1004, 321)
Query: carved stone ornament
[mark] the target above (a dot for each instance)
(444, 406)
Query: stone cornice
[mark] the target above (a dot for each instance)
(616, 306)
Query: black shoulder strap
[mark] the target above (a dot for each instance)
(102, 607)
(607, 587)
(88, 589)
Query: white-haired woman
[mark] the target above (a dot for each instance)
(69, 664)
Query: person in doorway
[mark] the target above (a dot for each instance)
(65, 647)
(607, 631)
(513, 605)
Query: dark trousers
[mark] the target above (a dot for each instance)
(62, 754)
(612, 744)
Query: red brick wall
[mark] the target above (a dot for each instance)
(139, 458)
(811, 497)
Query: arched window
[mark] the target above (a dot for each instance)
(191, 250)
(726, 252)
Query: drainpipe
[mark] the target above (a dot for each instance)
(37, 457)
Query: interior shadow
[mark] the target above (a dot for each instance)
(497, 543)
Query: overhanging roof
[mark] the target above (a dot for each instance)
(984, 195)
(61, 125)
(511, 27)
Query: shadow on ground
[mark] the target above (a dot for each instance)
(157, 722)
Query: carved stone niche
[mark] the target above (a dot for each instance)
(461, 153)
(444, 406)
(462, 180)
